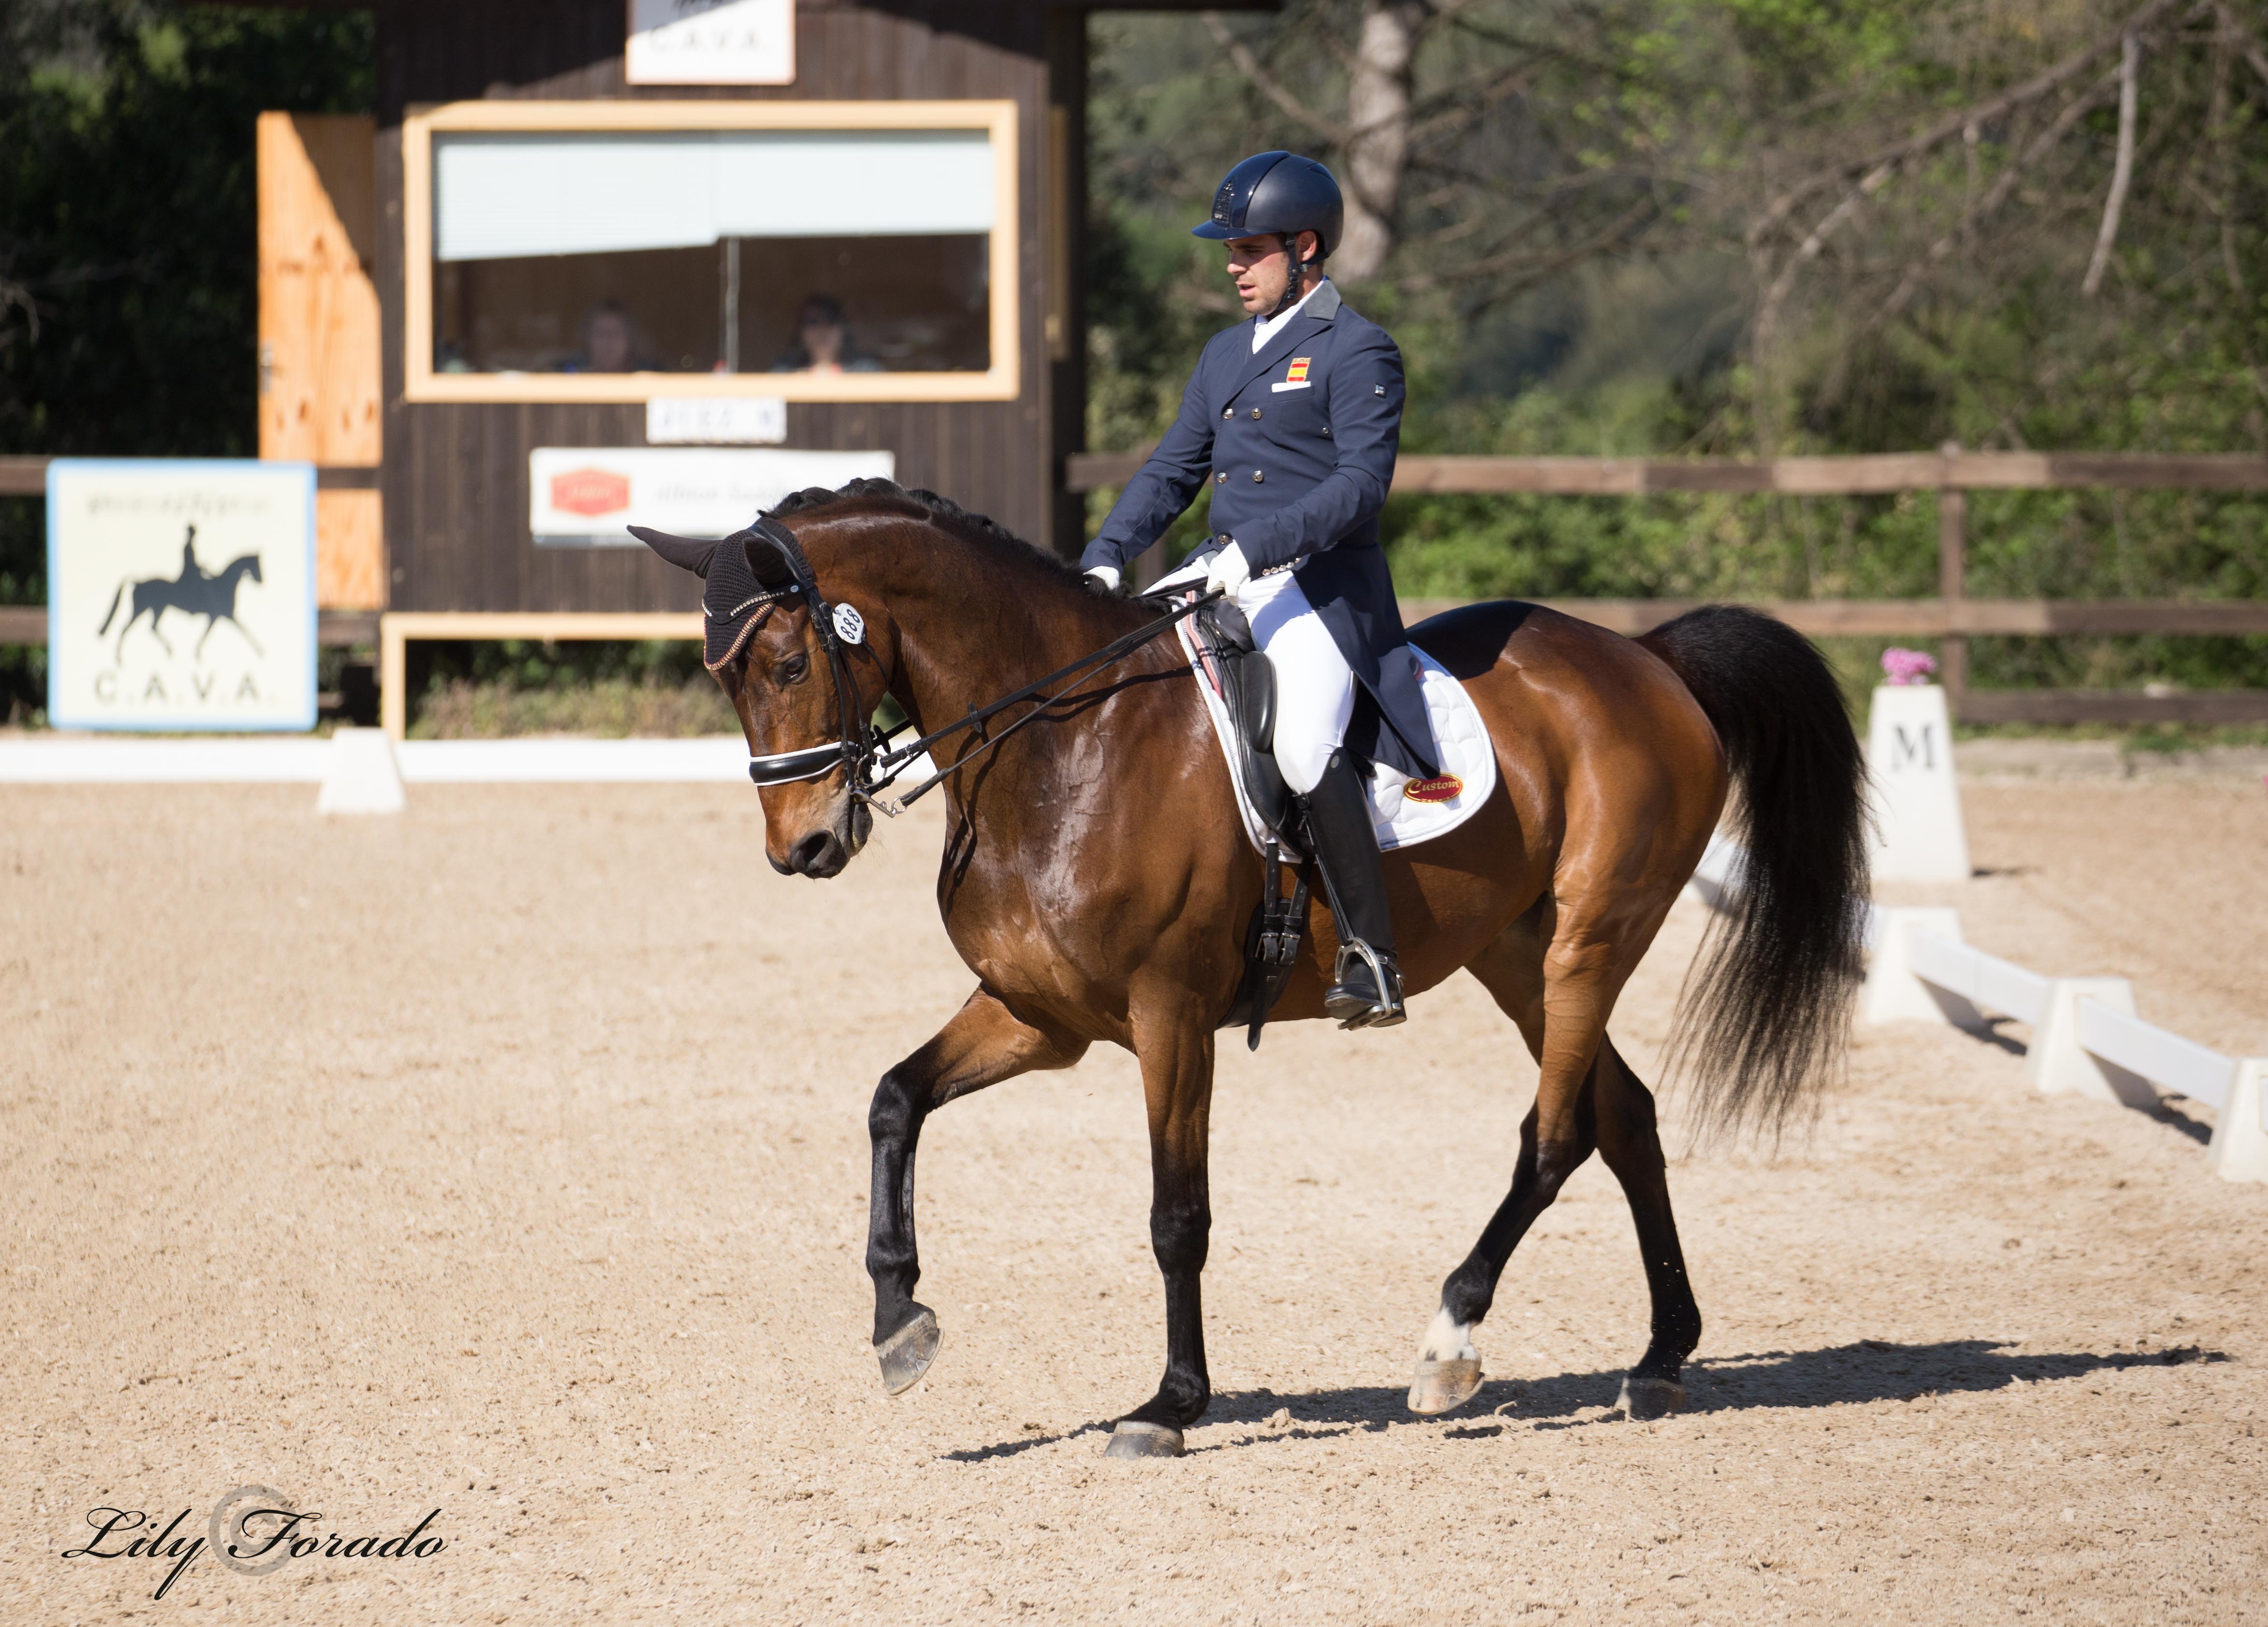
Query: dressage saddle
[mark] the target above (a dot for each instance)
(1248, 689)
(1279, 922)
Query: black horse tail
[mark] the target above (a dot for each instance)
(113, 611)
(1767, 1009)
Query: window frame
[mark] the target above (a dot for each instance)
(1001, 381)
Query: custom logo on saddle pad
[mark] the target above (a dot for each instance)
(1441, 789)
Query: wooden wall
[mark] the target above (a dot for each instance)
(455, 478)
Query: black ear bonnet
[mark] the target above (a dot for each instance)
(746, 574)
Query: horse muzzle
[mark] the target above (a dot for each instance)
(818, 855)
(824, 853)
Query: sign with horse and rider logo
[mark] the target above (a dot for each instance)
(180, 594)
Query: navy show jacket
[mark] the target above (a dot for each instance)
(1297, 443)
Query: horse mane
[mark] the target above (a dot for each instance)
(869, 495)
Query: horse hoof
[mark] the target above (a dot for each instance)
(1444, 1386)
(1643, 1399)
(906, 1354)
(1133, 1439)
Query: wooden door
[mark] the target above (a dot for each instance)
(319, 336)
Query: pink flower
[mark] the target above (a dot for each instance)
(1904, 666)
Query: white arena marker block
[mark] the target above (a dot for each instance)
(1891, 992)
(1918, 834)
(2240, 1134)
(2057, 1063)
(362, 776)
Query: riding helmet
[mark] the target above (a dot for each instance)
(1277, 192)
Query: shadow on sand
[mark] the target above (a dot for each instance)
(1871, 1370)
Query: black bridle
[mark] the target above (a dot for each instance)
(869, 763)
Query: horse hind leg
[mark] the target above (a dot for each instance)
(1630, 1144)
(1512, 970)
(1608, 1110)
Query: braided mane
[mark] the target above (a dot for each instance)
(869, 494)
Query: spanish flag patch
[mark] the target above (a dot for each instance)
(1298, 374)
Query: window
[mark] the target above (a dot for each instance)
(616, 251)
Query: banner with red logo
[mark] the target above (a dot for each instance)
(589, 496)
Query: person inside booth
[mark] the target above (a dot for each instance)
(609, 342)
(824, 342)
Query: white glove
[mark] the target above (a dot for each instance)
(1228, 572)
(1107, 575)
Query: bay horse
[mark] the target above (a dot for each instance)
(1098, 880)
(192, 592)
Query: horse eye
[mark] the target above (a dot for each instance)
(792, 669)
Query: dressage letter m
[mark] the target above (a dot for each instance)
(1908, 749)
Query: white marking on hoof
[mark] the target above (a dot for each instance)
(1644, 1399)
(1448, 1368)
(1446, 1340)
(1135, 1440)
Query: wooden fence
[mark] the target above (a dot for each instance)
(1952, 617)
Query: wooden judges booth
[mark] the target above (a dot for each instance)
(602, 260)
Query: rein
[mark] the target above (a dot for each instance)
(863, 752)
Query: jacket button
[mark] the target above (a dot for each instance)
(1259, 475)
(1220, 478)
(1229, 412)
(1255, 412)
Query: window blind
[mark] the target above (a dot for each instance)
(505, 195)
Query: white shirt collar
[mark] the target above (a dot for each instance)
(1264, 329)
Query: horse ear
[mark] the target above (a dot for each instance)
(685, 553)
(766, 558)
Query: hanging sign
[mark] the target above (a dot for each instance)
(715, 420)
(588, 496)
(180, 594)
(711, 42)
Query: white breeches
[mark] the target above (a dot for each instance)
(1315, 685)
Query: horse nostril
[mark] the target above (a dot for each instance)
(813, 855)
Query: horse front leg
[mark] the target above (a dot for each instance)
(984, 1043)
(1176, 1057)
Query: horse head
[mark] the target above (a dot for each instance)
(764, 645)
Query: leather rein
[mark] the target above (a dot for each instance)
(863, 752)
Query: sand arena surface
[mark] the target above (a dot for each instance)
(508, 1159)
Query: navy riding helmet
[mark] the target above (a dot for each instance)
(1278, 192)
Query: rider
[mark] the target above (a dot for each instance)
(1293, 420)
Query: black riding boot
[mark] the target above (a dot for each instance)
(1366, 988)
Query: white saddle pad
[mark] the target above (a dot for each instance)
(1467, 753)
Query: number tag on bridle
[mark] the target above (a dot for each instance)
(850, 626)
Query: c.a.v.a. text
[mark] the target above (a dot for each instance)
(114, 689)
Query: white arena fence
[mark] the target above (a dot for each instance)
(221, 760)
(2087, 1038)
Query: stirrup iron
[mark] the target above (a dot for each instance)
(1352, 1008)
